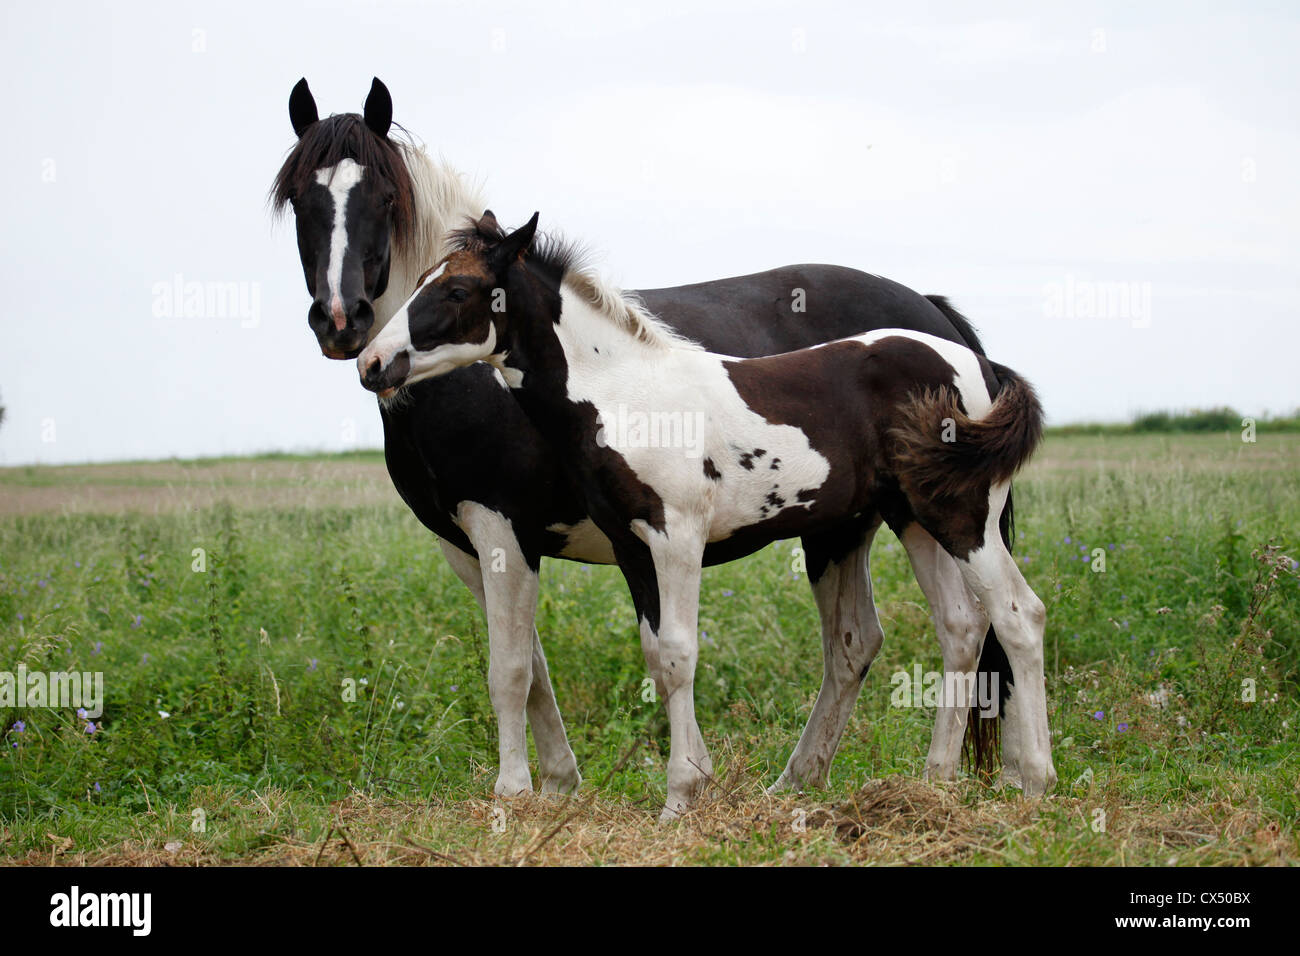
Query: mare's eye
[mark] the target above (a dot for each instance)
(457, 295)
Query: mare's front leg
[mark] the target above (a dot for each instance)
(510, 585)
(669, 629)
(557, 766)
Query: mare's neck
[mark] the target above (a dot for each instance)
(443, 201)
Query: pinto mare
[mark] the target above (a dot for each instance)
(893, 425)
(372, 213)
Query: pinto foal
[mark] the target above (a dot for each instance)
(892, 425)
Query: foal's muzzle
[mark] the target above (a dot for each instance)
(386, 379)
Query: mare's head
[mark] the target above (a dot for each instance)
(352, 198)
(458, 313)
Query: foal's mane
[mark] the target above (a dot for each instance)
(567, 262)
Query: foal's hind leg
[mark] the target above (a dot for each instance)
(1019, 618)
(960, 623)
(851, 636)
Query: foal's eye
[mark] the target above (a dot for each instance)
(457, 295)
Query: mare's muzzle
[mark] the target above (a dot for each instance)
(341, 334)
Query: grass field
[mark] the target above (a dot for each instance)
(226, 736)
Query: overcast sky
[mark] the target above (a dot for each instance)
(1020, 160)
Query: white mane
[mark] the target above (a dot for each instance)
(444, 199)
(624, 309)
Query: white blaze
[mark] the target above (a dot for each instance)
(339, 180)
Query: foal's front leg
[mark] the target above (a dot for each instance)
(677, 554)
(518, 681)
(851, 637)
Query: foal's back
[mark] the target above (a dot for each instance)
(791, 442)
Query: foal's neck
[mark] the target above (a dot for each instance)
(556, 334)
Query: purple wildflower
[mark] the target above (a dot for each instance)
(19, 727)
(1122, 727)
(1098, 715)
(311, 665)
(136, 623)
(90, 727)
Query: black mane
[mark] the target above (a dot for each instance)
(551, 255)
(334, 139)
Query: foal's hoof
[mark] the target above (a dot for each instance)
(939, 773)
(792, 781)
(782, 785)
(562, 784)
(1036, 783)
(512, 787)
(669, 815)
(1009, 779)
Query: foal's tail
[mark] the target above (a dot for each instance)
(992, 448)
(941, 452)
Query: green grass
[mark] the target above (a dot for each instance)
(1222, 420)
(249, 657)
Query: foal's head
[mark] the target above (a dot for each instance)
(457, 314)
(351, 194)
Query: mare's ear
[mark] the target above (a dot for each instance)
(487, 225)
(379, 108)
(302, 108)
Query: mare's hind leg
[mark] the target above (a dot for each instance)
(960, 624)
(839, 571)
(1019, 618)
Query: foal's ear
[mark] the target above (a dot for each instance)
(302, 107)
(487, 224)
(379, 108)
(516, 244)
